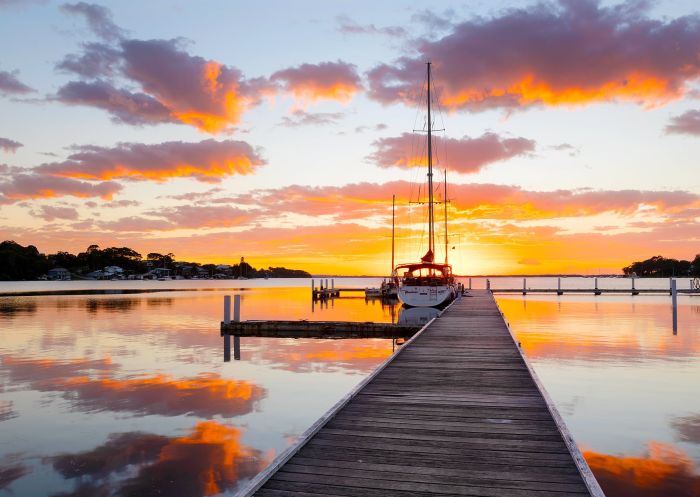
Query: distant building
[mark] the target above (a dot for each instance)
(161, 272)
(58, 274)
(113, 270)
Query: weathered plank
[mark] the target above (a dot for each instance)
(457, 412)
(316, 329)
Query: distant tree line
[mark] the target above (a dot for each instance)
(661, 267)
(27, 263)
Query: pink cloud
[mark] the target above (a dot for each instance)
(21, 186)
(568, 53)
(183, 217)
(467, 155)
(203, 93)
(325, 81)
(687, 123)
(207, 161)
(9, 146)
(51, 213)
(11, 85)
(124, 106)
(98, 18)
(174, 86)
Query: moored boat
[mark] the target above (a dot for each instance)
(427, 283)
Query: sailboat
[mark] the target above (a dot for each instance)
(427, 283)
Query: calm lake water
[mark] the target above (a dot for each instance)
(128, 394)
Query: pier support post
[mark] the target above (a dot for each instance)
(524, 286)
(236, 308)
(559, 292)
(227, 309)
(596, 292)
(674, 304)
(236, 348)
(634, 290)
(227, 320)
(470, 283)
(670, 286)
(488, 284)
(237, 319)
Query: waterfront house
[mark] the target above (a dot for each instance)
(161, 272)
(58, 274)
(113, 272)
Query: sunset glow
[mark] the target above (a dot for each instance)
(568, 133)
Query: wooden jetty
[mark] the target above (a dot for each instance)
(316, 329)
(673, 287)
(457, 411)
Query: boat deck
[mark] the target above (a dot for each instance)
(456, 412)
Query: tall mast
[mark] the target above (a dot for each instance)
(445, 202)
(431, 219)
(393, 209)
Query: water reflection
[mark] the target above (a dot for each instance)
(594, 331)
(624, 382)
(208, 461)
(417, 316)
(312, 355)
(16, 307)
(205, 395)
(140, 371)
(144, 375)
(6, 411)
(11, 471)
(687, 428)
(663, 471)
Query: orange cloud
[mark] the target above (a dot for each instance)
(664, 471)
(172, 85)
(324, 81)
(467, 201)
(569, 53)
(467, 155)
(207, 161)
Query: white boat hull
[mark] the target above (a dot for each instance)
(426, 296)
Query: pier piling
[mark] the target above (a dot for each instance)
(227, 320)
(524, 286)
(236, 308)
(559, 292)
(674, 304)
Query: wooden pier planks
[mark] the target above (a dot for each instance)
(316, 329)
(456, 413)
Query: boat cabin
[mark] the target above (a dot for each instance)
(424, 274)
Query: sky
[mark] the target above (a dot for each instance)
(279, 131)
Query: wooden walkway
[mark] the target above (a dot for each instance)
(317, 329)
(456, 412)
